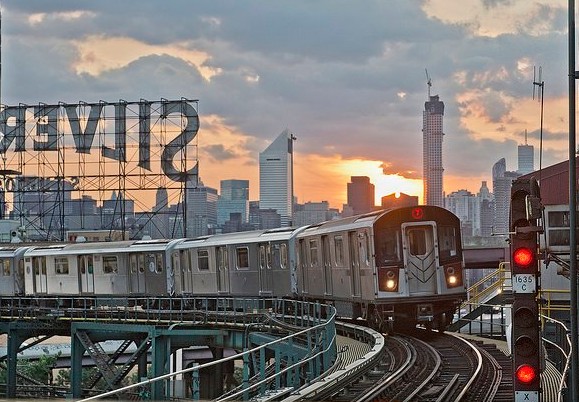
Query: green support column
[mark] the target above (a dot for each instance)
(76, 352)
(160, 352)
(14, 342)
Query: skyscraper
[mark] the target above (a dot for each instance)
(234, 199)
(502, 180)
(526, 158)
(360, 193)
(276, 177)
(432, 133)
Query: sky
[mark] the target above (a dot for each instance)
(348, 78)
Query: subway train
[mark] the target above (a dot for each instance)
(390, 267)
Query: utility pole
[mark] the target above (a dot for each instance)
(574, 381)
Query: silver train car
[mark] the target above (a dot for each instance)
(12, 270)
(397, 266)
(136, 268)
(254, 263)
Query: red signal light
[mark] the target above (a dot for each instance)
(526, 373)
(523, 256)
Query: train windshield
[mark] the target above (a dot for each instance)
(447, 244)
(388, 247)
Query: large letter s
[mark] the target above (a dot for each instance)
(181, 141)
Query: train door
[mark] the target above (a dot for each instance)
(137, 272)
(86, 273)
(420, 258)
(40, 277)
(354, 254)
(327, 264)
(222, 270)
(265, 267)
(182, 262)
(303, 261)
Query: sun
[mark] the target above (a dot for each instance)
(384, 184)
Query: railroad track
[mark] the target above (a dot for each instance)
(427, 366)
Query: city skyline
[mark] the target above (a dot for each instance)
(350, 92)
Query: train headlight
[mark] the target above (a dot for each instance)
(388, 279)
(453, 276)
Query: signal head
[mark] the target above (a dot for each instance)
(526, 373)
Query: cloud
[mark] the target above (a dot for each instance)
(347, 79)
(406, 172)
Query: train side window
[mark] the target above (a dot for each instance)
(313, 252)
(417, 240)
(283, 255)
(446, 242)
(242, 258)
(339, 250)
(61, 265)
(203, 260)
(110, 264)
(6, 271)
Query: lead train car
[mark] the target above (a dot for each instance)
(402, 265)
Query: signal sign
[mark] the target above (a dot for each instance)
(525, 274)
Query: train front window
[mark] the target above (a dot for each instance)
(447, 242)
(388, 250)
(417, 240)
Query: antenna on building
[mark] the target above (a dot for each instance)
(428, 82)
(539, 84)
(526, 137)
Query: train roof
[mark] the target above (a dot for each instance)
(369, 219)
(350, 222)
(100, 247)
(252, 236)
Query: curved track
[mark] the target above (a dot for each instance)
(427, 366)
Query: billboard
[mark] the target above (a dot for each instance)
(126, 152)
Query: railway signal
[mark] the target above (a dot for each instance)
(525, 274)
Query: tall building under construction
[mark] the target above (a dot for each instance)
(432, 133)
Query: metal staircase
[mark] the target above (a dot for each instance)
(491, 290)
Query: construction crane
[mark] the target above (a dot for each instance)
(428, 82)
